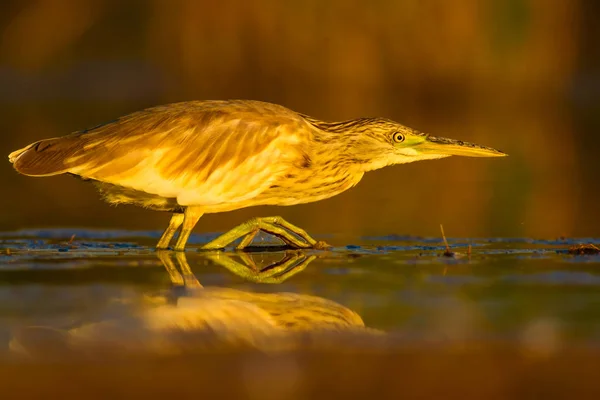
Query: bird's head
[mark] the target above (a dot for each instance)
(378, 142)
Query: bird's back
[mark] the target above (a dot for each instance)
(200, 153)
(174, 124)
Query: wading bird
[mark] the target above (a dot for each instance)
(199, 157)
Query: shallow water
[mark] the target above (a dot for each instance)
(103, 294)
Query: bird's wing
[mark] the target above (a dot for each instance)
(199, 155)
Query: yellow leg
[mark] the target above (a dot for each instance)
(292, 235)
(190, 219)
(174, 224)
(247, 239)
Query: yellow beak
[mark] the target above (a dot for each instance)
(451, 147)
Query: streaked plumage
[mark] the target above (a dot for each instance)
(213, 156)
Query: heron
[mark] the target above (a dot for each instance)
(210, 156)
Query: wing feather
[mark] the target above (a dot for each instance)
(202, 153)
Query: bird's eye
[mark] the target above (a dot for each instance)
(398, 137)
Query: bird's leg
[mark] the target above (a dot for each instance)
(174, 224)
(191, 216)
(276, 226)
(248, 239)
(250, 228)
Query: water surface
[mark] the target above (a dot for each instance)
(106, 294)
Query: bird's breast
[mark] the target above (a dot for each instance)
(309, 186)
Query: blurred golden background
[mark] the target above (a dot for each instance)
(522, 76)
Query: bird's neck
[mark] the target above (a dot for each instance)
(339, 143)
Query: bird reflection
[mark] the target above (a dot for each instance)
(241, 264)
(203, 317)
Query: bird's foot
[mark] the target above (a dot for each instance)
(291, 235)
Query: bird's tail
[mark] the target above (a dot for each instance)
(45, 157)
